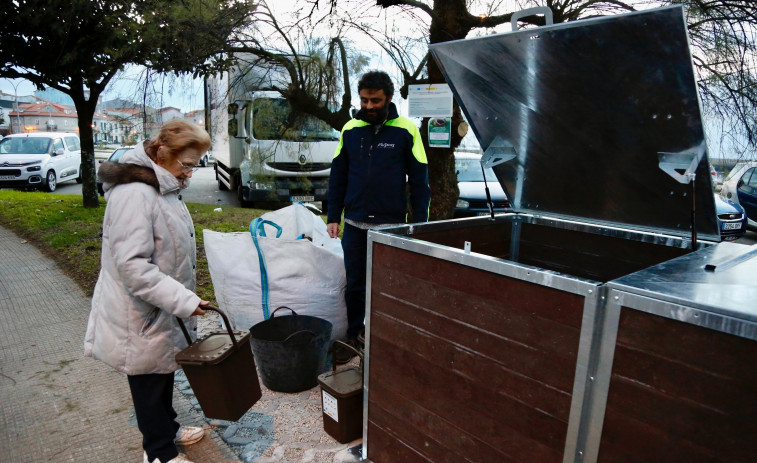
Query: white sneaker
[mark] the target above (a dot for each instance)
(179, 459)
(187, 435)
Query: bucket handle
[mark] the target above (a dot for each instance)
(282, 307)
(344, 344)
(299, 332)
(225, 322)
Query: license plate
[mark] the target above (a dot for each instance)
(302, 198)
(482, 213)
(732, 226)
(7, 177)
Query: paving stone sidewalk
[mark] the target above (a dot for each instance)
(57, 406)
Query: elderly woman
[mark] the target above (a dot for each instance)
(147, 279)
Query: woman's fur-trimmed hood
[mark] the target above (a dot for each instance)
(115, 173)
(136, 166)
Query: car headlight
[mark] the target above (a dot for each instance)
(261, 186)
(34, 169)
(462, 204)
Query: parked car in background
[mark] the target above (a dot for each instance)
(207, 159)
(114, 157)
(39, 160)
(732, 219)
(470, 180)
(740, 186)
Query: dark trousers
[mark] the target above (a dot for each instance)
(153, 403)
(355, 246)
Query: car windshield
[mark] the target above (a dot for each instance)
(469, 170)
(117, 154)
(25, 145)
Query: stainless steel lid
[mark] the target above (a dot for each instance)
(595, 120)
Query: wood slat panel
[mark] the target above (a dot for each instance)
(541, 301)
(631, 441)
(669, 376)
(445, 443)
(588, 255)
(669, 389)
(472, 366)
(485, 237)
(507, 319)
(454, 347)
(680, 343)
(554, 371)
(390, 447)
(467, 404)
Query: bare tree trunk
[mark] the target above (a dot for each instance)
(85, 110)
(445, 25)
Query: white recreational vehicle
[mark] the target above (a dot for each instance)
(264, 151)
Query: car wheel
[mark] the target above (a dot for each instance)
(51, 181)
(79, 179)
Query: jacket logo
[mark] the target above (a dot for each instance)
(385, 145)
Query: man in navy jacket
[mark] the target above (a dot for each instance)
(380, 153)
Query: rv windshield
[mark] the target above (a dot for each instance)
(272, 119)
(25, 145)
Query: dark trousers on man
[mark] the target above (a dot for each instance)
(355, 246)
(153, 404)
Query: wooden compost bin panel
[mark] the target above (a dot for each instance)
(466, 365)
(572, 252)
(679, 393)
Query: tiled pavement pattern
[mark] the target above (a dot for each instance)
(57, 406)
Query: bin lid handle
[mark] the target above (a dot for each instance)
(225, 322)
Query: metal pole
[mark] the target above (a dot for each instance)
(18, 118)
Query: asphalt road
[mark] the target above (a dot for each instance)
(203, 189)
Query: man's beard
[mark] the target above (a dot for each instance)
(377, 116)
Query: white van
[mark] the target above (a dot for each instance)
(39, 160)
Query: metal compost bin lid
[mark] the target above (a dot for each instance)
(596, 120)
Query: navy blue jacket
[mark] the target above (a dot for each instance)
(371, 168)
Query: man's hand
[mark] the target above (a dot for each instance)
(333, 229)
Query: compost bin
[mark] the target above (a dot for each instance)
(492, 338)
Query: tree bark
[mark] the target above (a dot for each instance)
(85, 110)
(446, 24)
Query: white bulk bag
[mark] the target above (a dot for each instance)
(306, 276)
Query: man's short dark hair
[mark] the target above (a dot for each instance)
(376, 80)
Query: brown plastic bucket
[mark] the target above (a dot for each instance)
(220, 369)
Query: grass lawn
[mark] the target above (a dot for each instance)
(62, 229)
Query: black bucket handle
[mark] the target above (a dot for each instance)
(282, 307)
(225, 322)
(352, 348)
(312, 334)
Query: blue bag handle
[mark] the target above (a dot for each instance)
(257, 228)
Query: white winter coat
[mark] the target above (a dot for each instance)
(147, 274)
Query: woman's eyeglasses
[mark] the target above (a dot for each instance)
(187, 169)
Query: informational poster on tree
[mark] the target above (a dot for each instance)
(429, 100)
(439, 132)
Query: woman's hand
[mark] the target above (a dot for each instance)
(198, 311)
